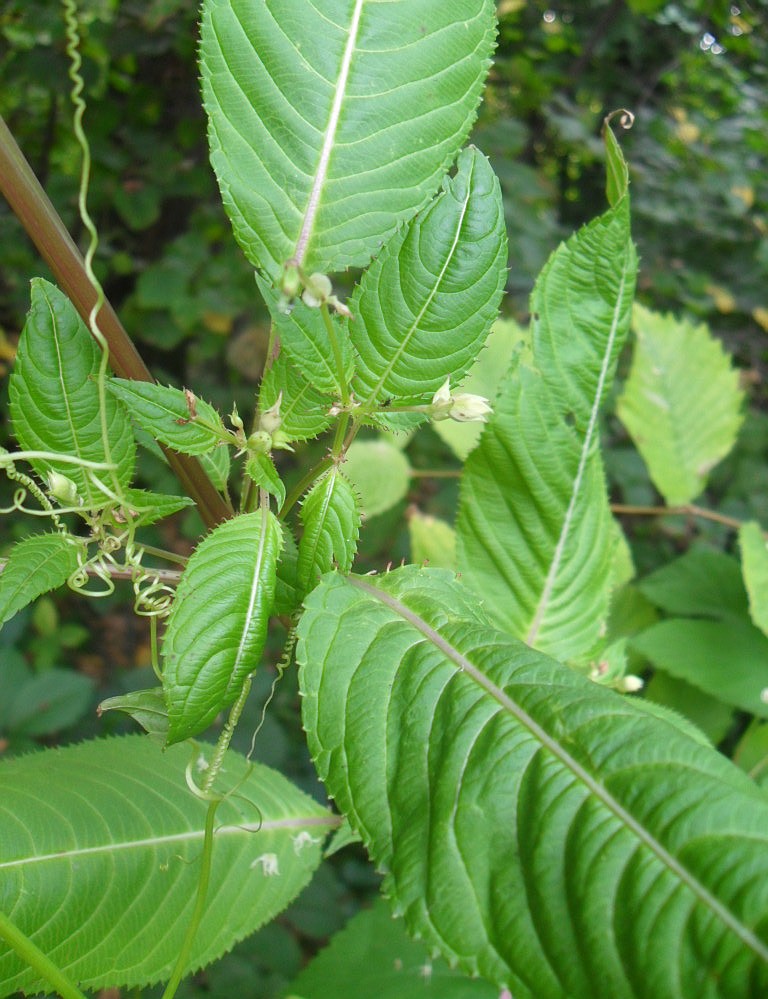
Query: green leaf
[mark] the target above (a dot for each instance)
(149, 507)
(536, 828)
(165, 413)
(702, 583)
(712, 643)
(106, 884)
(35, 565)
(617, 180)
(331, 522)
(681, 403)
(261, 469)
(483, 378)
(754, 566)
(752, 752)
(288, 593)
(54, 396)
(374, 956)
(423, 309)
(329, 126)
(147, 707)
(303, 410)
(218, 625)
(534, 531)
(304, 339)
(433, 542)
(727, 659)
(217, 464)
(380, 473)
(709, 715)
(581, 310)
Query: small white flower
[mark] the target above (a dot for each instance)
(468, 408)
(629, 684)
(318, 289)
(464, 407)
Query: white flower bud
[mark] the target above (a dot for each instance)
(270, 420)
(442, 402)
(318, 289)
(629, 684)
(468, 408)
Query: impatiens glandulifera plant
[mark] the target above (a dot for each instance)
(535, 828)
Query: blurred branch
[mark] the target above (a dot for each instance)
(44, 226)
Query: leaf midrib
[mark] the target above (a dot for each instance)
(559, 553)
(413, 328)
(329, 138)
(191, 835)
(747, 937)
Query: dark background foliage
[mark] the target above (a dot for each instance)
(695, 75)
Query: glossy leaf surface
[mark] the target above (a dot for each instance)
(165, 413)
(100, 858)
(218, 624)
(304, 338)
(331, 522)
(54, 398)
(681, 403)
(534, 531)
(335, 121)
(424, 308)
(535, 827)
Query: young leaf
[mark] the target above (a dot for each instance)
(534, 530)
(424, 308)
(373, 956)
(218, 624)
(503, 795)
(681, 403)
(106, 883)
(329, 126)
(149, 507)
(54, 398)
(534, 534)
(261, 469)
(167, 414)
(304, 339)
(35, 565)
(331, 522)
(754, 566)
(147, 707)
(304, 409)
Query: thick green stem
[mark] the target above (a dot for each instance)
(38, 216)
(37, 960)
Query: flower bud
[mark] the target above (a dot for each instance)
(317, 290)
(62, 488)
(468, 408)
(270, 420)
(260, 442)
(290, 281)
